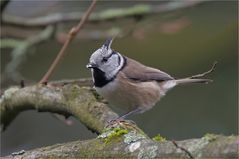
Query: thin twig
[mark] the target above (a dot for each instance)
(205, 73)
(72, 33)
(183, 149)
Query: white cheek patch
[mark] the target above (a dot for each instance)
(116, 67)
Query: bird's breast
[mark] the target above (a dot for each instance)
(127, 95)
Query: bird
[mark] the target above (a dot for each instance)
(128, 84)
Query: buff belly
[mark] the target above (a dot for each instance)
(127, 96)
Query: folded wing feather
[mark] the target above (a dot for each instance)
(139, 72)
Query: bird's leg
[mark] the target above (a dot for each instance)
(122, 117)
(137, 110)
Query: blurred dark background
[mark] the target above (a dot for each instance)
(182, 42)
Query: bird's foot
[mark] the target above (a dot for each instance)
(116, 120)
(119, 121)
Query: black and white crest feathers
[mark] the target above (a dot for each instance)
(105, 64)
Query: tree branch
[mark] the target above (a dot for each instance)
(20, 50)
(69, 99)
(121, 139)
(79, 82)
(130, 145)
(105, 14)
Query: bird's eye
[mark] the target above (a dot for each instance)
(104, 59)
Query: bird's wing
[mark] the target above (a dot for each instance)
(139, 72)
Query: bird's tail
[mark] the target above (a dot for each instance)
(167, 85)
(190, 80)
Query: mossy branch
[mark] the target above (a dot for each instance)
(131, 145)
(66, 99)
(117, 140)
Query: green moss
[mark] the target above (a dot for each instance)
(117, 133)
(159, 138)
(113, 134)
(210, 137)
(96, 95)
(71, 92)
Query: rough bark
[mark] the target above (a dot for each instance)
(119, 139)
(69, 99)
(130, 145)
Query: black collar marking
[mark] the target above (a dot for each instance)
(99, 76)
(124, 64)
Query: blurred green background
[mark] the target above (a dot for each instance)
(183, 43)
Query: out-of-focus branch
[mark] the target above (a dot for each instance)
(106, 14)
(20, 48)
(71, 35)
(3, 4)
(18, 32)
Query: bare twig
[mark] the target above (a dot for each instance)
(72, 33)
(204, 73)
(207, 72)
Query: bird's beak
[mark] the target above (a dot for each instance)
(91, 65)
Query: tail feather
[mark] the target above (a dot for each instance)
(167, 85)
(190, 80)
